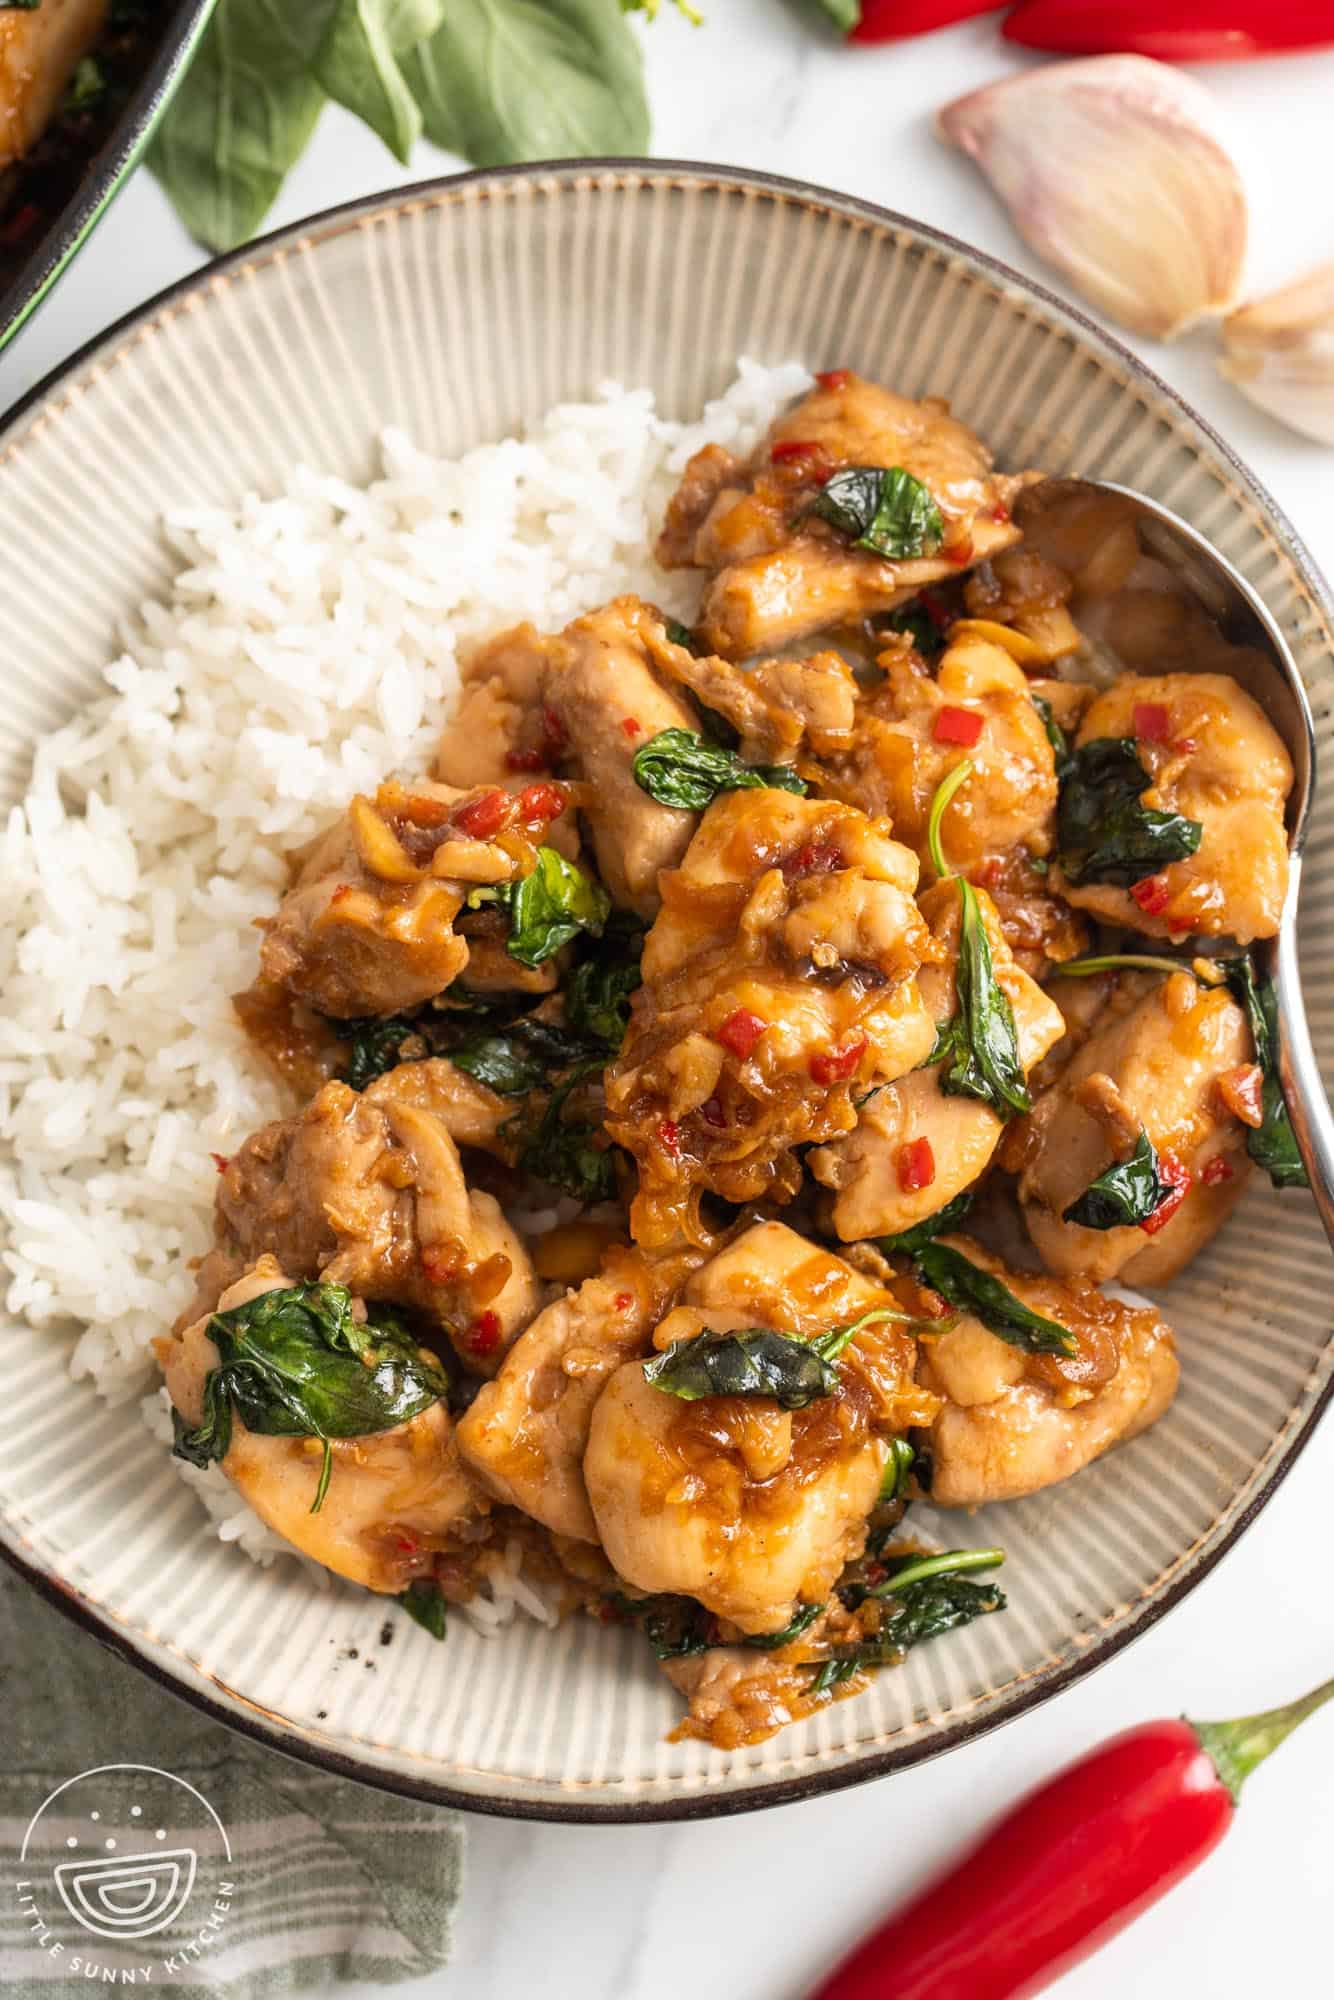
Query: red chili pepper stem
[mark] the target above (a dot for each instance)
(1235, 1748)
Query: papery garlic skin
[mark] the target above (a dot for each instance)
(1113, 170)
(1279, 350)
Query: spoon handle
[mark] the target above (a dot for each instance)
(1299, 1072)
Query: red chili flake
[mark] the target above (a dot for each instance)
(712, 1111)
(1152, 721)
(790, 448)
(1179, 1178)
(740, 1032)
(1153, 894)
(817, 857)
(439, 1265)
(632, 728)
(553, 731)
(916, 1165)
(483, 816)
(837, 1064)
(834, 378)
(525, 760)
(623, 1301)
(220, 1161)
(1000, 513)
(958, 725)
(1242, 1092)
(1185, 746)
(541, 803)
(669, 1137)
(988, 873)
(1179, 927)
(484, 1333)
(407, 1545)
(1217, 1171)
(959, 553)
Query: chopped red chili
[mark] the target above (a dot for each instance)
(916, 1165)
(1185, 746)
(669, 1138)
(1000, 513)
(1216, 1171)
(439, 1265)
(484, 1333)
(1152, 722)
(623, 1301)
(834, 378)
(740, 1032)
(407, 1545)
(541, 803)
(1242, 1092)
(220, 1161)
(553, 731)
(1153, 894)
(483, 816)
(958, 725)
(838, 1064)
(817, 857)
(959, 553)
(629, 727)
(1179, 1178)
(795, 448)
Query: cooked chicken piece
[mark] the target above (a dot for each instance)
(734, 1501)
(776, 706)
(40, 47)
(1209, 752)
(1040, 928)
(865, 1168)
(739, 1695)
(779, 577)
(914, 729)
(779, 986)
(526, 1432)
(586, 700)
(368, 927)
(365, 1190)
(395, 1498)
(1155, 1063)
(1014, 1422)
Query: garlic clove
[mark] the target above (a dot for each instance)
(1279, 351)
(1113, 171)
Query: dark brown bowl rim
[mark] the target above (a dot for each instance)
(875, 1764)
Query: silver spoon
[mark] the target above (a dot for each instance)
(1242, 617)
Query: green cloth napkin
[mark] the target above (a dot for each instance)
(329, 1879)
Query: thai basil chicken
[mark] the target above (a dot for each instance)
(722, 1087)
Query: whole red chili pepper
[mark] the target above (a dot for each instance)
(895, 20)
(1172, 30)
(1068, 1866)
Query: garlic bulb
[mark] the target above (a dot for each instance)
(1280, 352)
(1112, 171)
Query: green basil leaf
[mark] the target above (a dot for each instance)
(883, 509)
(356, 61)
(979, 1046)
(374, 1045)
(506, 80)
(909, 1241)
(548, 907)
(972, 1290)
(237, 122)
(1103, 833)
(675, 1627)
(295, 1362)
(758, 1361)
(769, 1642)
(1272, 1144)
(423, 1601)
(1056, 736)
(1124, 1194)
(898, 1470)
(921, 628)
(678, 768)
(521, 1057)
(934, 1598)
(565, 1154)
(681, 635)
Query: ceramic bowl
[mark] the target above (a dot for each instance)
(460, 310)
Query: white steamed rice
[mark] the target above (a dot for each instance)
(308, 648)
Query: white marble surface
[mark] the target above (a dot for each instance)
(750, 1908)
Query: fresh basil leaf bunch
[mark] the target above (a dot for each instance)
(494, 81)
(296, 1362)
